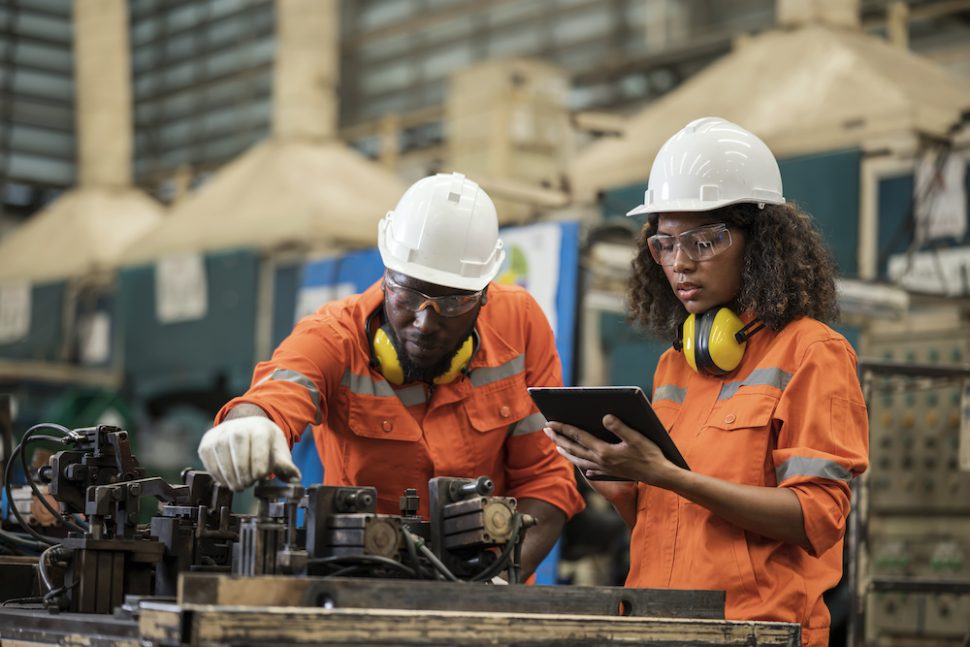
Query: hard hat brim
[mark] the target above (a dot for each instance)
(672, 206)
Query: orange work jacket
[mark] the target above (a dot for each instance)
(371, 433)
(792, 415)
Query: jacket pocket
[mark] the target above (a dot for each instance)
(499, 409)
(738, 431)
(742, 412)
(383, 418)
(745, 566)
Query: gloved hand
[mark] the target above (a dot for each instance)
(240, 451)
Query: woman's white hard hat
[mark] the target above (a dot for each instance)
(711, 163)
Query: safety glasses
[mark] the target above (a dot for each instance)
(700, 244)
(452, 305)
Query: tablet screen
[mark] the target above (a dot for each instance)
(584, 407)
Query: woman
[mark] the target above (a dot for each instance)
(764, 405)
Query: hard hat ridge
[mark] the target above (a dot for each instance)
(444, 230)
(710, 163)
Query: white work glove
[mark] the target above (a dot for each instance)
(241, 451)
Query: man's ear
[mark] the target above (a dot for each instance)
(484, 296)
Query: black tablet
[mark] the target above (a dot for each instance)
(585, 406)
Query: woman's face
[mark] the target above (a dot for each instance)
(708, 282)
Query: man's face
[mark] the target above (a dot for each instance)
(427, 339)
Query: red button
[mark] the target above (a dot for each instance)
(387, 425)
(729, 418)
(505, 412)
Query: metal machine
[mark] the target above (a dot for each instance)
(107, 555)
(316, 561)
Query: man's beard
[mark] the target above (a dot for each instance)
(414, 373)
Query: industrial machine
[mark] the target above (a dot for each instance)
(312, 561)
(94, 553)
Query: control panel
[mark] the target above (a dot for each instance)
(917, 535)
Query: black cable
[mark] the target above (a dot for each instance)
(52, 425)
(7, 480)
(516, 563)
(50, 438)
(61, 590)
(35, 599)
(372, 560)
(496, 567)
(439, 566)
(65, 518)
(16, 539)
(54, 551)
(13, 507)
(409, 540)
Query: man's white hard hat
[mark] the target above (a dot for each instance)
(711, 163)
(444, 230)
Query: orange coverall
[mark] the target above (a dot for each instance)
(792, 415)
(372, 433)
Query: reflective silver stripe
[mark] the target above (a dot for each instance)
(287, 375)
(489, 374)
(759, 377)
(670, 392)
(412, 395)
(816, 467)
(365, 385)
(527, 425)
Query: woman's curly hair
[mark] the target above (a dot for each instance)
(788, 271)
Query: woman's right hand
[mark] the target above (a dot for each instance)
(635, 457)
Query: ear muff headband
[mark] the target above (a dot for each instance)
(714, 341)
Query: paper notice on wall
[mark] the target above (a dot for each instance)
(15, 304)
(941, 197)
(181, 291)
(532, 261)
(94, 338)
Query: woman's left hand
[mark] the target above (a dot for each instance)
(635, 457)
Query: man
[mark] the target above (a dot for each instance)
(422, 375)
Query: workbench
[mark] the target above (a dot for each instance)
(225, 610)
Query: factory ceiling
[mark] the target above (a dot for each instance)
(808, 90)
(81, 233)
(279, 195)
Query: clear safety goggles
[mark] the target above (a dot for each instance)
(452, 305)
(700, 244)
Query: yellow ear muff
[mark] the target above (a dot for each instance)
(723, 348)
(389, 364)
(458, 362)
(710, 343)
(386, 357)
